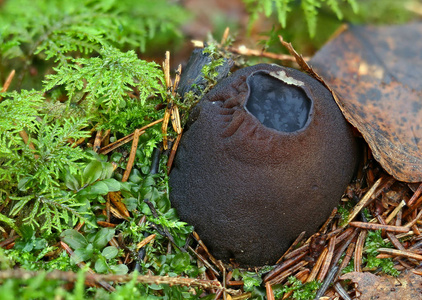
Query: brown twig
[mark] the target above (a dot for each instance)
(328, 279)
(166, 69)
(414, 202)
(317, 265)
(416, 230)
(205, 262)
(295, 243)
(339, 252)
(342, 292)
(413, 222)
(363, 202)
(132, 155)
(176, 80)
(79, 226)
(211, 257)
(297, 251)
(269, 291)
(173, 152)
(169, 85)
(225, 36)
(107, 207)
(384, 186)
(116, 199)
(105, 137)
(97, 142)
(394, 240)
(395, 212)
(404, 253)
(324, 227)
(145, 241)
(8, 241)
(7, 82)
(348, 256)
(281, 277)
(373, 226)
(327, 262)
(415, 196)
(399, 218)
(243, 50)
(106, 224)
(81, 140)
(126, 139)
(332, 233)
(283, 266)
(116, 212)
(346, 234)
(359, 250)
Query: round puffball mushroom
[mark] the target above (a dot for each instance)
(267, 156)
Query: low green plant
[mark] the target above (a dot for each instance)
(60, 31)
(44, 175)
(301, 291)
(251, 280)
(373, 242)
(310, 9)
(106, 81)
(93, 249)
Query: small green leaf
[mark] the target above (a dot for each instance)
(125, 186)
(250, 282)
(135, 176)
(131, 203)
(107, 170)
(83, 254)
(23, 184)
(112, 184)
(120, 269)
(102, 237)
(27, 231)
(99, 188)
(92, 172)
(180, 262)
(116, 157)
(162, 202)
(74, 239)
(110, 252)
(148, 181)
(71, 182)
(101, 266)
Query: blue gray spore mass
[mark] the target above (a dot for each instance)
(268, 155)
(276, 105)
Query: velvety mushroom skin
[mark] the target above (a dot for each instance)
(267, 156)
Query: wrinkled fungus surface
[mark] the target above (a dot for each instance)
(267, 156)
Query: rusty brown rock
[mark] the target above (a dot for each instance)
(250, 183)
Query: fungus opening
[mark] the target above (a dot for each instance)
(276, 104)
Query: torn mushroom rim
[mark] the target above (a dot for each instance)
(282, 76)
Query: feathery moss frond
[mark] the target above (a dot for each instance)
(282, 7)
(108, 79)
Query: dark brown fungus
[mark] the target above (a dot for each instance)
(267, 156)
